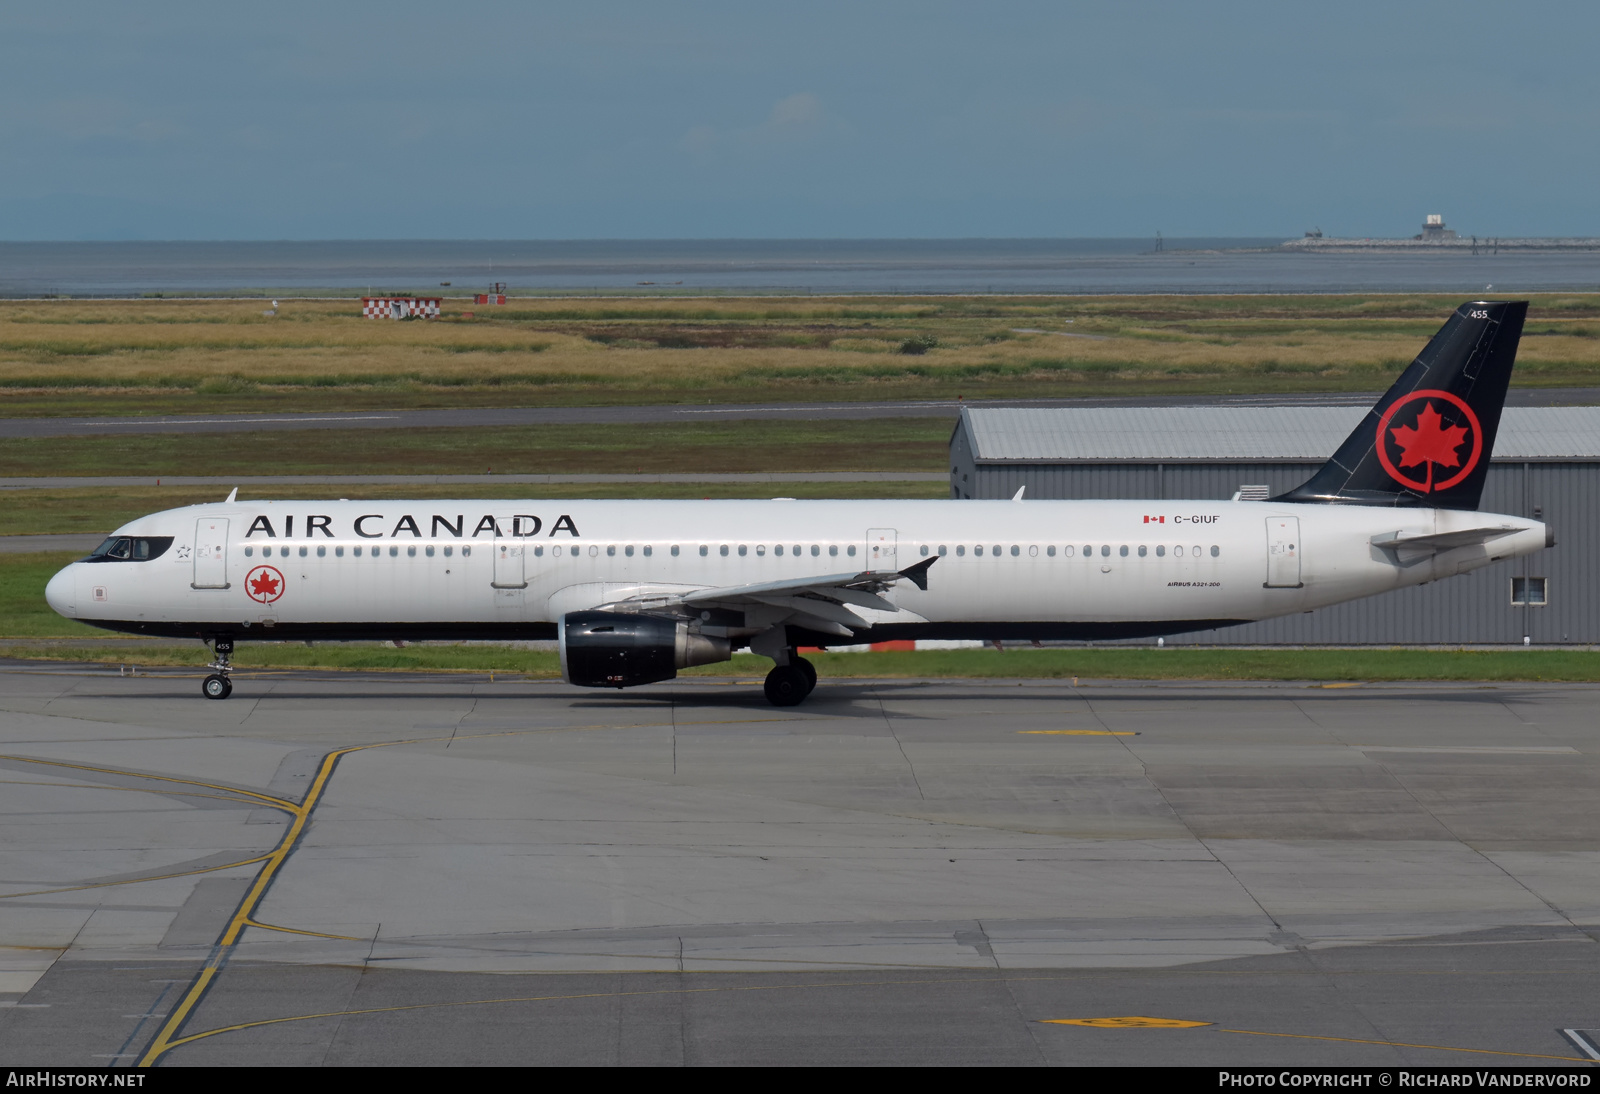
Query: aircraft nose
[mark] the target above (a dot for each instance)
(61, 593)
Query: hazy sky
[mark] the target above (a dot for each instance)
(682, 120)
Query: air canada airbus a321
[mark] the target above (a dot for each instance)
(633, 591)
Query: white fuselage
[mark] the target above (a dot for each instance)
(1040, 569)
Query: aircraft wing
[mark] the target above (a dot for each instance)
(822, 602)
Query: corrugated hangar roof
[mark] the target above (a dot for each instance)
(1060, 434)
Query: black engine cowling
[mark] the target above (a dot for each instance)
(622, 650)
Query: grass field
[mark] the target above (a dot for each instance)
(150, 356)
(886, 444)
(101, 509)
(1329, 665)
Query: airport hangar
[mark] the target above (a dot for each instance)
(1546, 465)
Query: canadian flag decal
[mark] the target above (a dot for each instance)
(1155, 520)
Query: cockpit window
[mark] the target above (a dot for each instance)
(131, 549)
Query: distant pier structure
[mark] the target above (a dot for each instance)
(1436, 237)
(1434, 231)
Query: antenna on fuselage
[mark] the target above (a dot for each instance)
(232, 495)
(1020, 490)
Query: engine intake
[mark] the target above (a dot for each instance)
(622, 650)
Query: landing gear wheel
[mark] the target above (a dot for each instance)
(786, 686)
(216, 686)
(809, 669)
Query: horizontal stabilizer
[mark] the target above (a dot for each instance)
(1442, 541)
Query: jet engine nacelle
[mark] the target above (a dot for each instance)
(621, 650)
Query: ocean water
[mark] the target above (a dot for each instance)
(816, 267)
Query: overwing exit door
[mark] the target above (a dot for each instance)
(510, 560)
(1283, 553)
(210, 553)
(881, 553)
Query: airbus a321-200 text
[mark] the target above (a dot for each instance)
(633, 591)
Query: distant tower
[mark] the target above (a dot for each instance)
(1434, 231)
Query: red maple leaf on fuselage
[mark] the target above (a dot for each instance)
(1430, 442)
(264, 584)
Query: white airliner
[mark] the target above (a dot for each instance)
(636, 590)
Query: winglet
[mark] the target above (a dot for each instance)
(232, 495)
(1020, 490)
(918, 574)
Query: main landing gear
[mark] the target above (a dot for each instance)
(218, 685)
(789, 683)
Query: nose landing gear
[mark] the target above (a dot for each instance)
(789, 683)
(218, 685)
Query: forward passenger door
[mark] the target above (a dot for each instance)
(210, 553)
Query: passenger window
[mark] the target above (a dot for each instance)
(1087, 550)
(1215, 550)
(647, 550)
(943, 550)
(1161, 550)
(322, 552)
(466, 550)
(1017, 551)
(815, 550)
(1123, 550)
(977, 549)
(704, 550)
(778, 550)
(248, 551)
(1051, 550)
(1105, 550)
(428, 550)
(411, 551)
(996, 550)
(594, 551)
(356, 551)
(723, 550)
(796, 550)
(833, 550)
(538, 552)
(556, 551)
(744, 549)
(1196, 551)
(761, 550)
(394, 552)
(961, 550)
(628, 550)
(302, 552)
(338, 552)
(1177, 552)
(851, 550)
(449, 550)
(923, 551)
(1069, 550)
(1143, 550)
(674, 550)
(611, 550)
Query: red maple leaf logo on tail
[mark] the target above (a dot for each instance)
(263, 585)
(1430, 442)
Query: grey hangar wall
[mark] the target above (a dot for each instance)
(1546, 465)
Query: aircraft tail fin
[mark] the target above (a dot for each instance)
(1427, 442)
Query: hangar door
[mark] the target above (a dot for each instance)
(1283, 553)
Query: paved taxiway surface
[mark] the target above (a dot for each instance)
(898, 871)
(489, 417)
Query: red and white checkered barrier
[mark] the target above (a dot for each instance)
(400, 307)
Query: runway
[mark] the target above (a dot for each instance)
(389, 869)
(492, 417)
